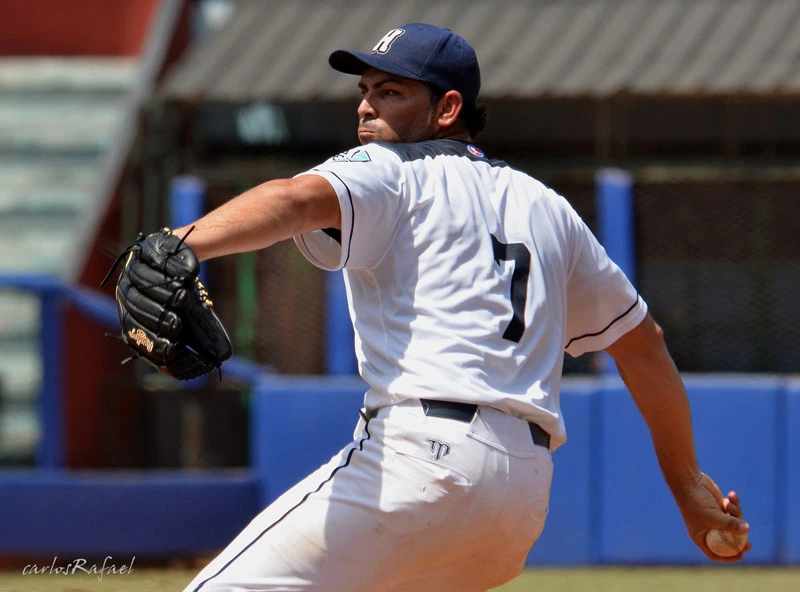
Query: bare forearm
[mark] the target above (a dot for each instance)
(253, 220)
(657, 388)
(658, 391)
(263, 216)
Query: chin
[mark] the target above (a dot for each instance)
(365, 137)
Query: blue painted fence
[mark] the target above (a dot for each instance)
(607, 489)
(609, 502)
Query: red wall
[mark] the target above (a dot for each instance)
(74, 27)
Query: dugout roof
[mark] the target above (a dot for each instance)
(278, 49)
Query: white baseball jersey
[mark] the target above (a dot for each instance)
(467, 280)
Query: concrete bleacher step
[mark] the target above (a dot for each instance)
(77, 74)
(58, 122)
(58, 118)
(62, 104)
(19, 433)
(20, 368)
(40, 244)
(19, 315)
(46, 184)
(42, 201)
(20, 381)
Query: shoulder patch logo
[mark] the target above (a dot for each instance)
(360, 156)
(385, 44)
(473, 149)
(354, 155)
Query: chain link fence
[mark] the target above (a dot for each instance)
(272, 301)
(718, 254)
(718, 263)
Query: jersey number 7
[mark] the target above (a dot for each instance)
(521, 256)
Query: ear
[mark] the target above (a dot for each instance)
(449, 108)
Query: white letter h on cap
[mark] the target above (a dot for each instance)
(385, 44)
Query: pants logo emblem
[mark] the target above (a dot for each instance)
(438, 449)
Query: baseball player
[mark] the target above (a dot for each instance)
(467, 280)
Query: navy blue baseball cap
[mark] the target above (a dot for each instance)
(420, 52)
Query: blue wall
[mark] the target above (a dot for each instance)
(106, 513)
(736, 430)
(609, 501)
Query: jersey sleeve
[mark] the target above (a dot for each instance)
(368, 182)
(602, 305)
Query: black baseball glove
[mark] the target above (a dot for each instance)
(164, 311)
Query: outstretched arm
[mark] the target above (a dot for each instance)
(657, 389)
(264, 215)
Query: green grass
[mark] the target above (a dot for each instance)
(657, 579)
(641, 579)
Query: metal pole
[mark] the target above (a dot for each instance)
(50, 448)
(615, 226)
(186, 203)
(615, 218)
(186, 200)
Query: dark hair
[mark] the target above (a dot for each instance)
(475, 118)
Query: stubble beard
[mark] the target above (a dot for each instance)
(410, 133)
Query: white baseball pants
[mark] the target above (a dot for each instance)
(414, 504)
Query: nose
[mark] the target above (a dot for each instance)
(365, 109)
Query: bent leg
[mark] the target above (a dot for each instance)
(387, 514)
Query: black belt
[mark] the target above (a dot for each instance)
(466, 411)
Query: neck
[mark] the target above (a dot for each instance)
(457, 131)
(464, 137)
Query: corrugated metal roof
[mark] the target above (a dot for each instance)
(278, 50)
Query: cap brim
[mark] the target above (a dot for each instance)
(349, 62)
(356, 62)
